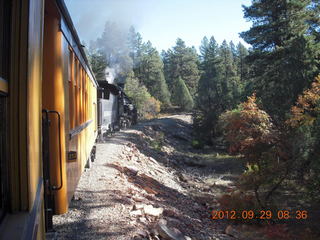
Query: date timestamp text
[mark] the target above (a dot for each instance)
(263, 215)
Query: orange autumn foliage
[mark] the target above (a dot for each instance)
(248, 129)
(304, 112)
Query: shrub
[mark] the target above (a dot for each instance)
(248, 130)
(304, 126)
(151, 108)
(147, 106)
(251, 133)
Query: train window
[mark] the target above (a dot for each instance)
(74, 67)
(100, 93)
(4, 44)
(70, 65)
(80, 95)
(83, 96)
(76, 93)
(71, 92)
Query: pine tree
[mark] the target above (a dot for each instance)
(234, 52)
(146, 105)
(284, 55)
(98, 64)
(230, 81)
(182, 61)
(151, 74)
(148, 67)
(219, 86)
(210, 99)
(242, 66)
(314, 21)
(166, 57)
(135, 46)
(181, 95)
(113, 45)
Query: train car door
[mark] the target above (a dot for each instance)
(53, 105)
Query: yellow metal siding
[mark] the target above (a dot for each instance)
(54, 99)
(34, 97)
(34, 107)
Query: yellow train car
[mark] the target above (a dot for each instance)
(48, 115)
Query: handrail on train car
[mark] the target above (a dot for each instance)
(47, 112)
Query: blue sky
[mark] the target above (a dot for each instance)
(163, 21)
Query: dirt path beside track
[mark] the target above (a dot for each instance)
(148, 183)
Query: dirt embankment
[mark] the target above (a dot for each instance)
(149, 183)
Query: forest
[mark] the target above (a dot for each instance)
(261, 103)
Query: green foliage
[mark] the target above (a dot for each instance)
(181, 95)
(158, 141)
(151, 74)
(219, 87)
(112, 44)
(314, 21)
(136, 64)
(241, 62)
(284, 56)
(148, 67)
(304, 126)
(181, 62)
(147, 106)
(98, 64)
(197, 144)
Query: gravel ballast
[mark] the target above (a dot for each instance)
(129, 189)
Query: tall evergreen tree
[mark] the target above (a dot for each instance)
(210, 100)
(98, 64)
(242, 65)
(148, 67)
(230, 81)
(219, 86)
(112, 44)
(151, 74)
(210, 87)
(136, 48)
(181, 95)
(233, 49)
(166, 57)
(135, 44)
(284, 56)
(314, 22)
(182, 61)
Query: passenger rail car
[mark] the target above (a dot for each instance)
(48, 111)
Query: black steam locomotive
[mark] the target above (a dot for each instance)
(115, 109)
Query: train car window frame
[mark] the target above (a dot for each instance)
(5, 36)
(70, 64)
(71, 90)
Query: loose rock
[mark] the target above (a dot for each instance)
(150, 210)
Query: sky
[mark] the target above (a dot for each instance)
(163, 21)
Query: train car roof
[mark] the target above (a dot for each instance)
(70, 33)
